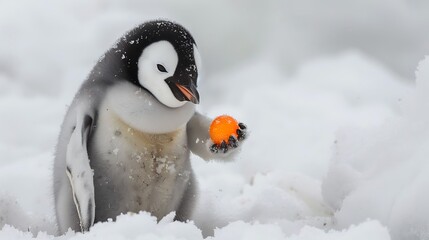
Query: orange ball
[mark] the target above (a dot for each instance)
(222, 128)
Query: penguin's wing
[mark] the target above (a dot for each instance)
(80, 173)
(199, 141)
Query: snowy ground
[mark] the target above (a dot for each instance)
(339, 130)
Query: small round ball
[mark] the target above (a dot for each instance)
(222, 128)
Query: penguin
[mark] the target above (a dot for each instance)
(125, 142)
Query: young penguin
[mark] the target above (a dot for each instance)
(125, 141)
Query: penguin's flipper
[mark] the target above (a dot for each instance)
(80, 173)
(199, 141)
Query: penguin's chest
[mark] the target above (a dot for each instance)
(135, 171)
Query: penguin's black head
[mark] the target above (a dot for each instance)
(162, 57)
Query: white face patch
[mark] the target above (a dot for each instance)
(152, 78)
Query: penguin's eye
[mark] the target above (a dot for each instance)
(161, 68)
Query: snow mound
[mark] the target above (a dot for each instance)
(381, 173)
(144, 226)
(289, 200)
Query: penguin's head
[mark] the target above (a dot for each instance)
(162, 57)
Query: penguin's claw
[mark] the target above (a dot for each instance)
(233, 142)
(241, 133)
(214, 148)
(223, 147)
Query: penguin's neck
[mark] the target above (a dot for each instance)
(141, 111)
(133, 133)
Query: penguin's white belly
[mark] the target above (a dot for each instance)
(136, 171)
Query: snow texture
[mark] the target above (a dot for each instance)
(338, 131)
(143, 226)
(383, 171)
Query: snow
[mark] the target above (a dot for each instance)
(144, 226)
(337, 130)
(389, 164)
